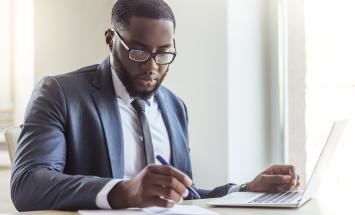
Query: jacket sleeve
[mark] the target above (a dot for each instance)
(215, 193)
(38, 181)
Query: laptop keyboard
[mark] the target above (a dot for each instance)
(287, 197)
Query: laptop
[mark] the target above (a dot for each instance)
(292, 199)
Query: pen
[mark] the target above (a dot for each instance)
(191, 190)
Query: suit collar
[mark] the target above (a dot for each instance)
(102, 74)
(179, 151)
(107, 107)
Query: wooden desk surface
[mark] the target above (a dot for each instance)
(313, 207)
(317, 206)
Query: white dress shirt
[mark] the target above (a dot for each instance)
(134, 158)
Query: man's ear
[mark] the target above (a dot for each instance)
(108, 37)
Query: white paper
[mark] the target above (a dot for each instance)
(176, 210)
(179, 209)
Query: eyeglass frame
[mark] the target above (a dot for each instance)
(151, 54)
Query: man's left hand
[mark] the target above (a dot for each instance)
(275, 179)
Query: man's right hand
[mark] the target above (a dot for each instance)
(155, 185)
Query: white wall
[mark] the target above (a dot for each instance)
(5, 57)
(249, 75)
(69, 34)
(16, 58)
(199, 77)
(297, 86)
(23, 56)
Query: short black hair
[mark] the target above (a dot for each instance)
(123, 10)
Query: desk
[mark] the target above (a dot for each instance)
(317, 206)
(314, 207)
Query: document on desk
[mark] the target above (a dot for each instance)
(176, 210)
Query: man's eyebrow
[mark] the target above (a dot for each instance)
(146, 46)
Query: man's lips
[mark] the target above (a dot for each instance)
(147, 82)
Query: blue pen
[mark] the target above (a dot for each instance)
(192, 191)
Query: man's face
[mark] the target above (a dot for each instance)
(152, 35)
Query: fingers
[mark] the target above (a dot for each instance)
(167, 194)
(281, 170)
(295, 182)
(157, 201)
(275, 179)
(170, 182)
(284, 170)
(172, 172)
(167, 183)
(293, 174)
(295, 188)
(280, 188)
(283, 188)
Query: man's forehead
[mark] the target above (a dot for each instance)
(141, 28)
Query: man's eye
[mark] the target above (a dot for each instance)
(165, 50)
(140, 48)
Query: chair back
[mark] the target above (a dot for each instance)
(11, 136)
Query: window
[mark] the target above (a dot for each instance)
(321, 85)
(330, 81)
(16, 59)
(6, 103)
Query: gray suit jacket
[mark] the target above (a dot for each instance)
(71, 143)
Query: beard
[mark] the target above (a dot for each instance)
(127, 80)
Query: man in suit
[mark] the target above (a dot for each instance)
(90, 137)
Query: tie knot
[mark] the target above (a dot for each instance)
(138, 104)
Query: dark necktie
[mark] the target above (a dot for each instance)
(138, 104)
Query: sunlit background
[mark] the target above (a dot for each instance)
(330, 85)
(263, 79)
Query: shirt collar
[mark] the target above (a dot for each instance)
(120, 89)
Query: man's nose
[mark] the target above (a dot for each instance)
(150, 65)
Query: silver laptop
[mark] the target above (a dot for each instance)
(289, 199)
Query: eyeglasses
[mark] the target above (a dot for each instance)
(141, 56)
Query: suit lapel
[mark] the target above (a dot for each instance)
(107, 107)
(177, 144)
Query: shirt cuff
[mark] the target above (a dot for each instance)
(101, 198)
(234, 188)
